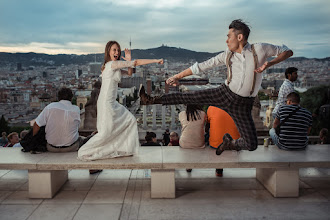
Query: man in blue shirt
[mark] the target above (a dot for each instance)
(286, 88)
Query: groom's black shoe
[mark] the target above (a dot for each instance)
(227, 144)
(146, 99)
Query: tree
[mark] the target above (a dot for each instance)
(4, 125)
(263, 96)
(312, 100)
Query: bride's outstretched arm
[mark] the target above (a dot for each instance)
(140, 62)
(132, 64)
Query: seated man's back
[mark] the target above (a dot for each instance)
(294, 123)
(293, 133)
(62, 121)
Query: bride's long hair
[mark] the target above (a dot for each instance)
(107, 52)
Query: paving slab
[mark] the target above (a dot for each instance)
(67, 197)
(103, 197)
(98, 212)
(78, 185)
(21, 197)
(16, 212)
(54, 212)
(110, 185)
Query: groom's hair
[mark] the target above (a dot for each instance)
(240, 28)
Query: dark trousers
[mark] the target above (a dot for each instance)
(238, 107)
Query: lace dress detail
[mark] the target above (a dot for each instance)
(117, 128)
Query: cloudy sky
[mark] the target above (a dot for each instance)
(85, 26)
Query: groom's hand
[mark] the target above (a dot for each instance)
(262, 68)
(173, 81)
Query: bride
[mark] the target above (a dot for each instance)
(117, 128)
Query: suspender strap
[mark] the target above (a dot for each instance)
(289, 116)
(229, 70)
(255, 57)
(228, 64)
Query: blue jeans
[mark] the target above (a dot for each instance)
(274, 136)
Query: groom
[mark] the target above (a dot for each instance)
(245, 63)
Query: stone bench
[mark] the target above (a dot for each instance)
(276, 169)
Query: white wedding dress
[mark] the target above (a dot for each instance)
(117, 128)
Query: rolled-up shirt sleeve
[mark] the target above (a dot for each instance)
(218, 60)
(274, 50)
(41, 120)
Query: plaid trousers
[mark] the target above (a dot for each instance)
(238, 107)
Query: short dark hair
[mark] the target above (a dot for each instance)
(149, 136)
(65, 94)
(240, 28)
(294, 97)
(290, 70)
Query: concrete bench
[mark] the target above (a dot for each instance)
(276, 169)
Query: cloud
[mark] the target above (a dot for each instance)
(86, 25)
(52, 48)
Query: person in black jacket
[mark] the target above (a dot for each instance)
(151, 139)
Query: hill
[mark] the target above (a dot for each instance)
(39, 59)
(165, 52)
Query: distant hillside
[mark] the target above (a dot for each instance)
(39, 59)
(172, 54)
(169, 53)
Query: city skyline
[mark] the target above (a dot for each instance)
(84, 27)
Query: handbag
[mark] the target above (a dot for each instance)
(278, 128)
(34, 143)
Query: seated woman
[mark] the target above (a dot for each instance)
(151, 139)
(192, 132)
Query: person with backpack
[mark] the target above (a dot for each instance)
(293, 124)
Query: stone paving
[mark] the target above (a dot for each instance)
(125, 194)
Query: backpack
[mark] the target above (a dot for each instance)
(34, 143)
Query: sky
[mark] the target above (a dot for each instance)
(85, 26)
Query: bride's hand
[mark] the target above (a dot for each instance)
(128, 55)
(161, 61)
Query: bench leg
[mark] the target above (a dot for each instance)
(162, 183)
(280, 182)
(45, 183)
